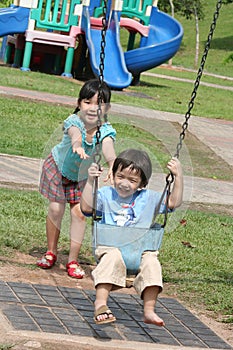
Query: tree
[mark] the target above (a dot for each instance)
(173, 15)
(6, 3)
(189, 9)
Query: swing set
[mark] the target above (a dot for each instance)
(133, 241)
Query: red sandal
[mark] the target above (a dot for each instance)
(47, 261)
(74, 270)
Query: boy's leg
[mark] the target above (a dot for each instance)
(109, 273)
(150, 295)
(148, 284)
(110, 268)
(102, 293)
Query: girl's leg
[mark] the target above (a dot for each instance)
(150, 296)
(53, 227)
(77, 230)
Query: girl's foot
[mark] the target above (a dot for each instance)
(74, 270)
(153, 318)
(47, 261)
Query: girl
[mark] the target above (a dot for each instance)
(65, 172)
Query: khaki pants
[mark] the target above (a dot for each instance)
(111, 269)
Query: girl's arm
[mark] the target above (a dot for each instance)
(76, 141)
(86, 202)
(109, 155)
(176, 195)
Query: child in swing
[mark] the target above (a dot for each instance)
(129, 203)
(65, 171)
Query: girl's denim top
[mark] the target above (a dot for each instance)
(69, 163)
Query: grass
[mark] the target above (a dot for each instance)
(221, 45)
(158, 94)
(35, 127)
(188, 269)
(200, 275)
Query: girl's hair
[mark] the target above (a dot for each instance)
(137, 160)
(90, 88)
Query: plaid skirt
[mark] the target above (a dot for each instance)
(56, 187)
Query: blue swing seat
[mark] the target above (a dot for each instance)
(131, 241)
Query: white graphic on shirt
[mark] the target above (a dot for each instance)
(125, 216)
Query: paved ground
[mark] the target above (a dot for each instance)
(48, 313)
(69, 312)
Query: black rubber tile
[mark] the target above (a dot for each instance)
(65, 310)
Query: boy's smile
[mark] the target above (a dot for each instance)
(127, 182)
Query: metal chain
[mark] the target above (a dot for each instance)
(198, 78)
(97, 155)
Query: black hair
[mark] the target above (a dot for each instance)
(90, 88)
(137, 160)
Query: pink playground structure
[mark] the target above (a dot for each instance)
(64, 37)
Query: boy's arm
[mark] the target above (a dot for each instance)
(76, 141)
(109, 155)
(176, 196)
(86, 201)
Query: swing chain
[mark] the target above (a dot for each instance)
(97, 155)
(198, 78)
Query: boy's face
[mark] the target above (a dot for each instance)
(88, 110)
(126, 182)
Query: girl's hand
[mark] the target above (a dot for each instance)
(109, 176)
(174, 166)
(80, 151)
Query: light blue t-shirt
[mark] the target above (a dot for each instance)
(69, 163)
(136, 211)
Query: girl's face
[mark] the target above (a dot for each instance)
(88, 111)
(126, 182)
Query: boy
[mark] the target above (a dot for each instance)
(129, 204)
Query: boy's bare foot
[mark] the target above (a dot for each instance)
(153, 318)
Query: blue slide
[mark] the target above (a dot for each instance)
(116, 73)
(162, 43)
(13, 20)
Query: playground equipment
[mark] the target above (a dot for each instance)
(57, 27)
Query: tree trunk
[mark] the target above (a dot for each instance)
(173, 14)
(197, 38)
